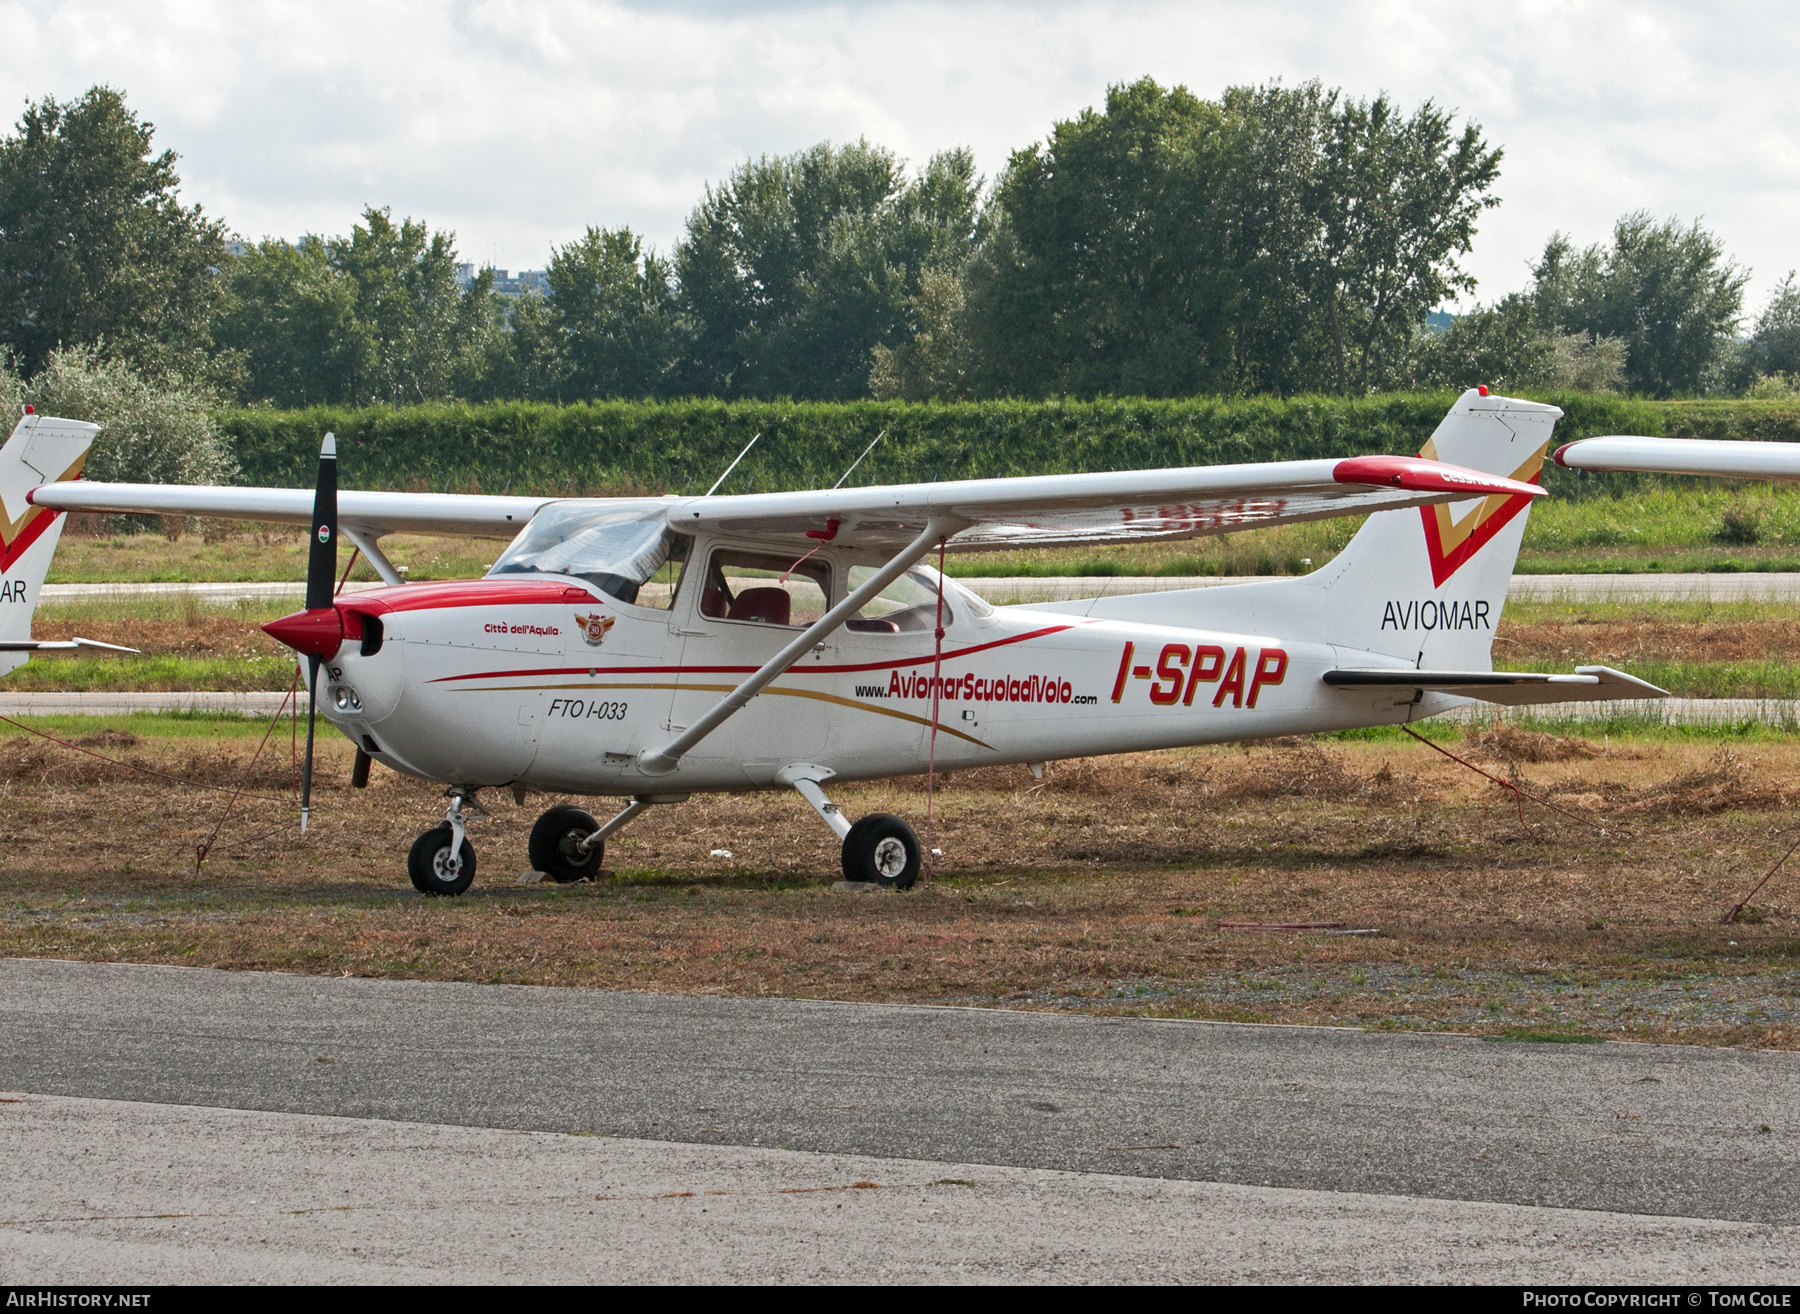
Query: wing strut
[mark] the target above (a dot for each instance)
(661, 761)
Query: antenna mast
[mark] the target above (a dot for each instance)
(734, 465)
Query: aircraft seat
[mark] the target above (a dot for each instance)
(769, 606)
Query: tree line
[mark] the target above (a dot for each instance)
(1275, 241)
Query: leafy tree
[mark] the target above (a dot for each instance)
(1275, 240)
(377, 316)
(1503, 347)
(95, 245)
(1397, 200)
(1667, 292)
(614, 310)
(795, 268)
(1774, 346)
(1498, 345)
(1116, 267)
(418, 327)
(291, 319)
(154, 429)
(934, 363)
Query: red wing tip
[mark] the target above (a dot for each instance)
(1557, 455)
(1419, 474)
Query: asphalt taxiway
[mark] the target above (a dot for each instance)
(186, 1124)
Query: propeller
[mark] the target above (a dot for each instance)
(318, 631)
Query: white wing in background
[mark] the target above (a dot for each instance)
(1727, 459)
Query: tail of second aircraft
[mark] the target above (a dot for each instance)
(1425, 585)
(42, 450)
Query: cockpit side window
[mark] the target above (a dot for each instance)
(765, 588)
(910, 603)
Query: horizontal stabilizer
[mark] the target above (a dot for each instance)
(1589, 684)
(59, 645)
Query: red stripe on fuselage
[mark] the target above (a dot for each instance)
(795, 669)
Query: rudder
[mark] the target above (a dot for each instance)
(42, 450)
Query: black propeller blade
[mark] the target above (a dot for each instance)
(321, 576)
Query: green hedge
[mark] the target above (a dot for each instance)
(682, 446)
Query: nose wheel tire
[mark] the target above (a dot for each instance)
(883, 849)
(434, 870)
(552, 846)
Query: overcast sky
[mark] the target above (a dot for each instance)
(519, 123)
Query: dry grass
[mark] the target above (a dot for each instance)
(1100, 888)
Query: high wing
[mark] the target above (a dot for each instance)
(1728, 459)
(378, 513)
(1589, 684)
(1031, 511)
(1073, 509)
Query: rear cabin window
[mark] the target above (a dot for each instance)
(631, 555)
(765, 589)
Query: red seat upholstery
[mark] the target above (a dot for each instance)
(770, 606)
(714, 603)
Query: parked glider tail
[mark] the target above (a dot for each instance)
(42, 450)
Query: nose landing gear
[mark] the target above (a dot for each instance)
(442, 860)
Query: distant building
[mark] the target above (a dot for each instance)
(506, 285)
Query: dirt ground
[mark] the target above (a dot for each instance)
(1628, 641)
(1109, 887)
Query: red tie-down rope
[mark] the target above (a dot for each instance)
(937, 693)
(1519, 795)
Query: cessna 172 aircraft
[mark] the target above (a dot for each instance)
(652, 648)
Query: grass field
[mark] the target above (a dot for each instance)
(1749, 527)
(1103, 889)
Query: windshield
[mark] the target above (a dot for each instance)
(609, 546)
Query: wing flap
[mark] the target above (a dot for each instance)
(1588, 684)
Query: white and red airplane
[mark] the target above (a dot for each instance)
(653, 648)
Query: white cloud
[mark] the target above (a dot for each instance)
(519, 123)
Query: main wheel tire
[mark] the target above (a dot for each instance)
(430, 866)
(552, 846)
(883, 849)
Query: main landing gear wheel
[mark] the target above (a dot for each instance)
(434, 870)
(553, 845)
(883, 849)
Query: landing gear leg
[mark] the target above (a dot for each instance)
(880, 849)
(567, 844)
(442, 860)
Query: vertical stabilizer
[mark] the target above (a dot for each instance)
(1427, 585)
(1424, 586)
(42, 450)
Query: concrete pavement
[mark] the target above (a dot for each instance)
(133, 1193)
(1377, 1127)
